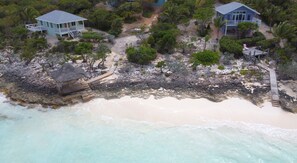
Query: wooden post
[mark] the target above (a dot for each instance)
(60, 29)
(67, 25)
(226, 28)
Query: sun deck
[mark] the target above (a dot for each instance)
(35, 28)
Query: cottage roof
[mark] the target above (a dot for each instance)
(68, 73)
(59, 17)
(227, 8)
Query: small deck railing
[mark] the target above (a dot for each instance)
(66, 30)
(34, 27)
(236, 22)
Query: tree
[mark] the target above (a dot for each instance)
(128, 10)
(116, 27)
(206, 39)
(142, 55)
(84, 49)
(284, 31)
(218, 23)
(101, 54)
(203, 16)
(245, 27)
(161, 65)
(272, 14)
(163, 37)
(74, 6)
(28, 14)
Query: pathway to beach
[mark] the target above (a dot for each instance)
(273, 83)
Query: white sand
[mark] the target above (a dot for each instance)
(190, 111)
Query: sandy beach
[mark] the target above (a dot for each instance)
(172, 111)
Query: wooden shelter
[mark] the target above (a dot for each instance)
(69, 79)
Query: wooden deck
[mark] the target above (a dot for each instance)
(273, 84)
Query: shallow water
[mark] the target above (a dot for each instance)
(75, 135)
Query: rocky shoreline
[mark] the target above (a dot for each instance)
(25, 93)
(30, 85)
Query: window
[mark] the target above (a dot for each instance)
(72, 23)
(47, 24)
(60, 25)
(41, 22)
(249, 17)
(80, 22)
(51, 25)
(57, 25)
(239, 15)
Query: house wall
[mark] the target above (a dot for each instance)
(249, 14)
(53, 29)
(50, 27)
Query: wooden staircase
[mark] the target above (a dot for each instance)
(273, 85)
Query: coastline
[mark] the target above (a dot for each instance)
(33, 89)
(26, 94)
(172, 112)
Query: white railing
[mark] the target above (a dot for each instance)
(34, 27)
(73, 28)
(236, 22)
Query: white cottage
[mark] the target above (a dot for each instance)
(59, 23)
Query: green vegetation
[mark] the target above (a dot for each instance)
(231, 46)
(161, 65)
(246, 27)
(141, 55)
(221, 67)
(206, 58)
(83, 49)
(100, 55)
(163, 37)
(92, 36)
(31, 47)
(177, 11)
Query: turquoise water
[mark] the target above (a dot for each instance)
(72, 135)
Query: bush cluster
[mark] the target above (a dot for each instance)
(231, 46)
(141, 55)
(206, 58)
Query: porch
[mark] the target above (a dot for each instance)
(236, 22)
(69, 28)
(35, 28)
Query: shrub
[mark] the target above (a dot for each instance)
(232, 46)
(163, 37)
(206, 57)
(142, 55)
(244, 72)
(116, 27)
(288, 70)
(92, 35)
(268, 44)
(257, 37)
(221, 67)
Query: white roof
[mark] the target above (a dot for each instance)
(59, 17)
(225, 9)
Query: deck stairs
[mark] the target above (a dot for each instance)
(273, 84)
(74, 33)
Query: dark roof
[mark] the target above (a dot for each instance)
(227, 8)
(59, 17)
(68, 73)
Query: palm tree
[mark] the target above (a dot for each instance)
(284, 31)
(272, 14)
(200, 3)
(28, 14)
(218, 23)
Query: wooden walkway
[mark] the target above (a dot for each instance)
(273, 84)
